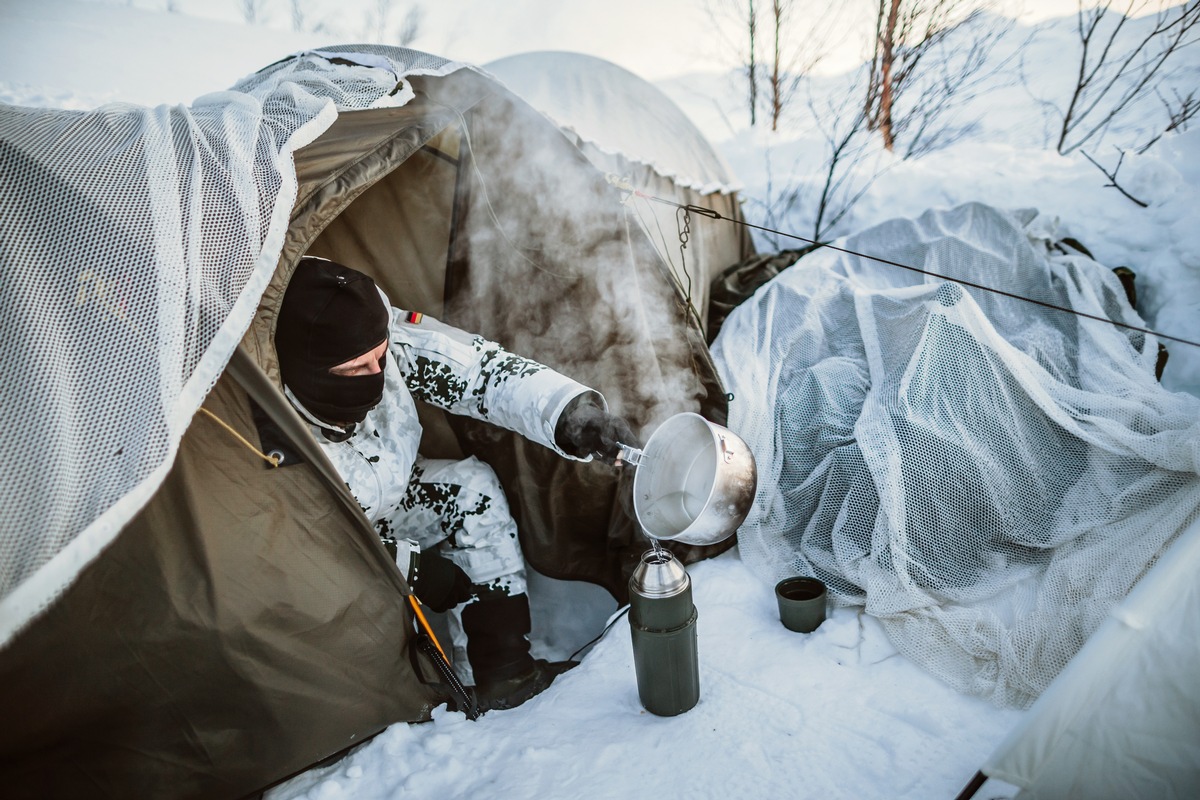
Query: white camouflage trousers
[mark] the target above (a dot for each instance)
(461, 505)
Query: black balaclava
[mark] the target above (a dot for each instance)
(329, 315)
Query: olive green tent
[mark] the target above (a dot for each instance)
(176, 616)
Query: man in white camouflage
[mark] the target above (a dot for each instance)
(448, 522)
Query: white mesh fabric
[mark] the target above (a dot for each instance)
(136, 243)
(986, 476)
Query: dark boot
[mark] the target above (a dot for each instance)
(506, 675)
(512, 692)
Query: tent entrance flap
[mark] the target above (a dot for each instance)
(398, 229)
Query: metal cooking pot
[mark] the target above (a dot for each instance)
(695, 481)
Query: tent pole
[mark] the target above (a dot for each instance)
(971, 788)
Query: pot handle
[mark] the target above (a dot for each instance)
(629, 455)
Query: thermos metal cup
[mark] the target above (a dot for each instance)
(662, 621)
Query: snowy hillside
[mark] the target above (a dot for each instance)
(1007, 160)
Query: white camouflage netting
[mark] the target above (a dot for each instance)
(136, 243)
(986, 476)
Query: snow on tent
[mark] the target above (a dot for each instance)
(174, 612)
(632, 131)
(989, 478)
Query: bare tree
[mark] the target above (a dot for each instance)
(845, 167)
(252, 10)
(299, 14)
(879, 88)
(849, 169)
(751, 66)
(376, 21)
(779, 75)
(793, 54)
(739, 16)
(1179, 113)
(929, 56)
(410, 28)
(1117, 65)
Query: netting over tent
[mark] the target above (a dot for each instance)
(136, 243)
(984, 475)
(618, 112)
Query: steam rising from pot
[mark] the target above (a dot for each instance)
(559, 265)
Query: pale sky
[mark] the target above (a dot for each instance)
(657, 39)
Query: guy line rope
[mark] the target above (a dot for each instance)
(716, 215)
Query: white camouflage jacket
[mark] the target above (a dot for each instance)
(454, 370)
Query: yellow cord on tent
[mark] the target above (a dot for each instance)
(272, 460)
(424, 623)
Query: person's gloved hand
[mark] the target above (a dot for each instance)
(438, 582)
(585, 428)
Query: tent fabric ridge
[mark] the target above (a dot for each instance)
(687, 182)
(618, 113)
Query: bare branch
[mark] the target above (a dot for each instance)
(929, 56)
(299, 14)
(1115, 71)
(252, 10)
(410, 28)
(751, 71)
(847, 175)
(1112, 176)
(791, 54)
(796, 54)
(1179, 114)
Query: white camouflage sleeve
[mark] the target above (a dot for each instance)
(466, 374)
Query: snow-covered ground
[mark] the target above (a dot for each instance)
(832, 714)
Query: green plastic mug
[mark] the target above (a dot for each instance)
(801, 603)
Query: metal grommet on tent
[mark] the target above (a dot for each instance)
(277, 456)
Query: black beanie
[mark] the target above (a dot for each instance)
(329, 315)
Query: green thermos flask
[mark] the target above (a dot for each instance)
(662, 621)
